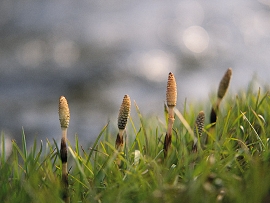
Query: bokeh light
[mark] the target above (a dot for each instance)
(153, 65)
(31, 54)
(196, 39)
(66, 53)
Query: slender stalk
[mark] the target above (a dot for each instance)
(171, 97)
(64, 117)
(222, 89)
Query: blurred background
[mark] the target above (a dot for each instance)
(95, 52)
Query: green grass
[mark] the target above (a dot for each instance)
(233, 167)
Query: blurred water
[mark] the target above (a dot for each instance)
(94, 52)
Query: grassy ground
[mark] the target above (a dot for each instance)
(233, 167)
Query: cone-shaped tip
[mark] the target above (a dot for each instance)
(224, 83)
(199, 123)
(171, 94)
(64, 115)
(124, 112)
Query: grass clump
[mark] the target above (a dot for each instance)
(233, 166)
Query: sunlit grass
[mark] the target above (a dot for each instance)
(232, 167)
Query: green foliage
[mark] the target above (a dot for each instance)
(232, 167)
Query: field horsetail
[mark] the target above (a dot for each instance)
(222, 89)
(233, 166)
(171, 97)
(123, 116)
(64, 117)
(198, 130)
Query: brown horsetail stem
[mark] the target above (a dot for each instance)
(123, 116)
(171, 97)
(64, 117)
(198, 129)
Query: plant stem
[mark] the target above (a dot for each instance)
(63, 154)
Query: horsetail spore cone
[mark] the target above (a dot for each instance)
(123, 116)
(224, 83)
(198, 129)
(171, 94)
(124, 113)
(64, 117)
(171, 97)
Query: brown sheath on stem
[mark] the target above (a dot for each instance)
(167, 144)
(63, 154)
(213, 116)
(119, 143)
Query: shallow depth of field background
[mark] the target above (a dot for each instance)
(94, 52)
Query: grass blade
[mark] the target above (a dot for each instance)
(96, 142)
